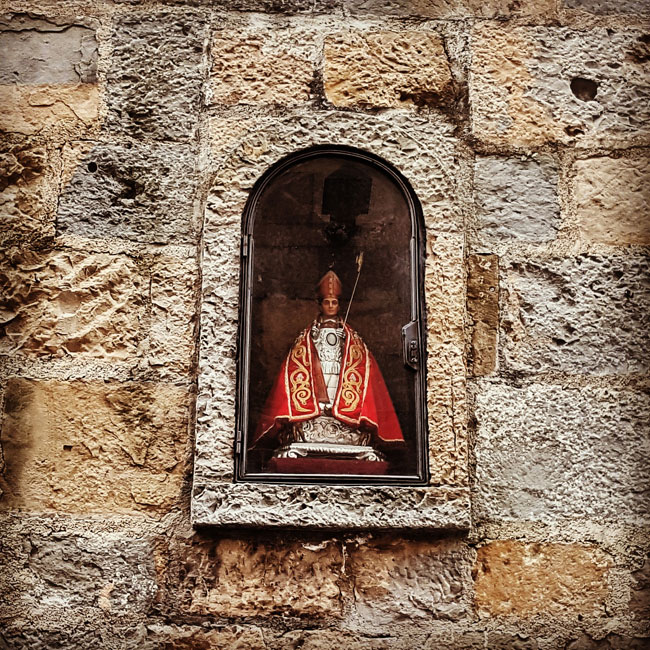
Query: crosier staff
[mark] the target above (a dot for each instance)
(359, 261)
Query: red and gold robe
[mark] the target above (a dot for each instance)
(362, 400)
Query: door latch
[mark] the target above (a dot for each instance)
(411, 345)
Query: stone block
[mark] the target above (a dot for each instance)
(17, 635)
(30, 110)
(609, 7)
(449, 9)
(582, 315)
(533, 85)
(48, 75)
(386, 70)
(158, 68)
(639, 604)
(174, 290)
(145, 193)
(228, 505)
(288, 7)
(265, 67)
(54, 570)
(28, 193)
(608, 642)
(228, 637)
(611, 199)
(68, 303)
(396, 580)
(444, 286)
(236, 578)
(548, 453)
(37, 51)
(83, 447)
(483, 310)
(478, 639)
(559, 580)
(516, 200)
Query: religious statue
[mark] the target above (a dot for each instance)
(329, 400)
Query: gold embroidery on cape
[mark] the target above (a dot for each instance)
(299, 378)
(352, 378)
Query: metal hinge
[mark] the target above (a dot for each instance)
(238, 443)
(245, 244)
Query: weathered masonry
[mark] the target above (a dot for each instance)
(158, 261)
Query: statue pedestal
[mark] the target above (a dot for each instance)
(344, 467)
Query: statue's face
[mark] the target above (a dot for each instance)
(329, 306)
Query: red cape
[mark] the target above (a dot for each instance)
(362, 399)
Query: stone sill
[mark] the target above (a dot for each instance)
(263, 505)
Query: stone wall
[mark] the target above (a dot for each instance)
(117, 117)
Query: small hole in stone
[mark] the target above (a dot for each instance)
(67, 447)
(584, 89)
(573, 130)
(92, 167)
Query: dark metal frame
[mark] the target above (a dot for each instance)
(413, 333)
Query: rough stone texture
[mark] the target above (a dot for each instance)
(22, 636)
(609, 642)
(640, 594)
(396, 580)
(140, 192)
(611, 198)
(582, 315)
(50, 569)
(28, 193)
(93, 447)
(229, 637)
(609, 7)
(48, 75)
(30, 110)
(232, 578)
(450, 8)
(516, 200)
(269, 67)
(328, 506)
(37, 51)
(71, 303)
(444, 284)
(520, 86)
(580, 453)
(174, 285)
(386, 69)
(158, 67)
(527, 579)
(286, 7)
(483, 311)
(437, 636)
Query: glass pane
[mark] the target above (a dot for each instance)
(326, 395)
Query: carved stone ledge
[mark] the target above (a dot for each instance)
(330, 506)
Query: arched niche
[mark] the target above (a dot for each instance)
(316, 210)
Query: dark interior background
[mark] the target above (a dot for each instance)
(319, 214)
